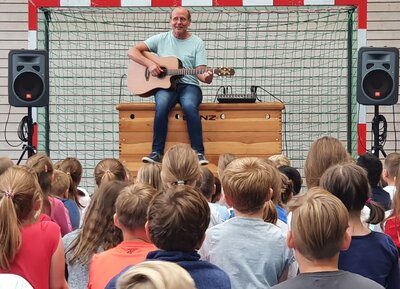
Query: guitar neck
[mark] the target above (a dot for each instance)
(188, 71)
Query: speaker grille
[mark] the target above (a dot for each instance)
(28, 86)
(377, 84)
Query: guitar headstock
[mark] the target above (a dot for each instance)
(224, 71)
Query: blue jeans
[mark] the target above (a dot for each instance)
(189, 97)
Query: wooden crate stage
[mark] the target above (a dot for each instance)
(243, 129)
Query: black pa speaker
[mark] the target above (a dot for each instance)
(28, 78)
(378, 76)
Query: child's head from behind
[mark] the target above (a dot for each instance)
(349, 182)
(319, 224)
(20, 194)
(73, 167)
(323, 153)
(60, 184)
(391, 165)
(293, 175)
(177, 219)
(43, 167)
(150, 173)
(132, 204)
(156, 275)
(180, 165)
(223, 161)
(279, 160)
(206, 183)
(248, 183)
(5, 163)
(373, 165)
(109, 169)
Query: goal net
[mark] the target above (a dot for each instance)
(302, 56)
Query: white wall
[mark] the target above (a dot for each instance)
(384, 30)
(13, 35)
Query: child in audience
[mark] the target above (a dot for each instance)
(42, 166)
(206, 185)
(251, 251)
(279, 160)
(373, 165)
(150, 173)
(97, 234)
(5, 163)
(156, 275)
(294, 176)
(318, 233)
(371, 254)
(223, 161)
(109, 169)
(180, 166)
(323, 153)
(60, 187)
(389, 173)
(131, 209)
(176, 223)
(33, 250)
(392, 225)
(73, 168)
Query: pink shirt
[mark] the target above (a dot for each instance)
(59, 214)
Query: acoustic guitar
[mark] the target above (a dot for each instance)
(142, 83)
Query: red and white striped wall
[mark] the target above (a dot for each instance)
(360, 4)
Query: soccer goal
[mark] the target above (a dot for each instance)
(304, 56)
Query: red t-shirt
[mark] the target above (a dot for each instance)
(107, 264)
(392, 228)
(32, 262)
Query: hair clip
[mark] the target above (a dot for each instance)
(9, 195)
(368, 201)
(180, 182)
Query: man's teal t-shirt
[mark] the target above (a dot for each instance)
(190, 51)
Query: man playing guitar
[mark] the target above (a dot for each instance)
(189, 49)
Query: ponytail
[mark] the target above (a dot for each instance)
(377, 214)
(10, 235)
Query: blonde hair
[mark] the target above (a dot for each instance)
(280, 160)
(318, 225)
(109, 169)
(392, 164)
(42, 166)
(180, 165)
(150, 173)
(156, 275)
(60, 184)
(5, 163)
(132, 204)
(247, 183)
(223, 161)
(19, 190)
(323, 153)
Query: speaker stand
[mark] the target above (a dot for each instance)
(28, 148)
(379, 139)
